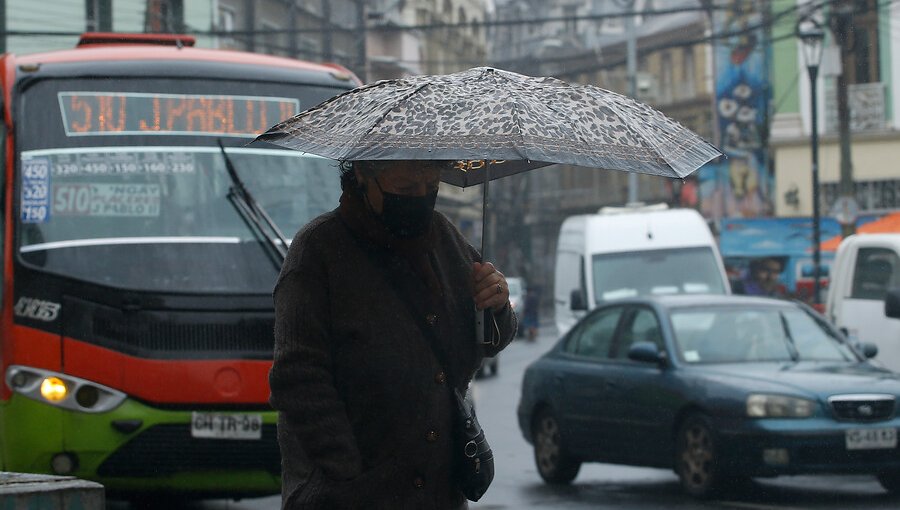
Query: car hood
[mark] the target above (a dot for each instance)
(805, 378)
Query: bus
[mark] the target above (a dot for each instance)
(137, 319)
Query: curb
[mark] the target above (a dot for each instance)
(32, 491)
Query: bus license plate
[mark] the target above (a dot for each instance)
(871, 439)
(226, 426)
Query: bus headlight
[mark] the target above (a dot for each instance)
(55, 388)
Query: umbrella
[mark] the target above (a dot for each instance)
(494, 123)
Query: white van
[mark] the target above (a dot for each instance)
(624, 252)
(865, 267)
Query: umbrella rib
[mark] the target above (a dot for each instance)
(516, 116)
(637, 127)
(652, 140)
(388, 110)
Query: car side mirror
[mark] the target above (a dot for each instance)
(646, 352)
(892, 303)
(577, 301)
(869, 349)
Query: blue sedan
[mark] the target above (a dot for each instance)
(718, 388)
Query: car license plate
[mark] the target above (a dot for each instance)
(871, 439)
(226, 426)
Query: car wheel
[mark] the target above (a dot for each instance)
(890, 481)
(696, 463)
(553, 463)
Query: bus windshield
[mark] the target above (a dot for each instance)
(129, 189)
(158, 218)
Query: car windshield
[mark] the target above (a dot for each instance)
(714, 334)
(164, 210)
(676, 271)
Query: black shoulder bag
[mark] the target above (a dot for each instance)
(473, 460)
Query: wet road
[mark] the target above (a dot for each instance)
(603, 486)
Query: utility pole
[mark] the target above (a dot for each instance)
(327, 37)
(841, 22)
(250, 24)
(631, 72)
(362, 56)
(3, 26)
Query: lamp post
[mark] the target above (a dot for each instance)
(811, 35)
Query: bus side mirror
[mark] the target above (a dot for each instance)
(892, 303)
(577, 301)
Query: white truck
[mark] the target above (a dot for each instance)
(865, 268)
(625, 252)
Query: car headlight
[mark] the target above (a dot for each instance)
(779, 406)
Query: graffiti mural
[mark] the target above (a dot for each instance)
(741, 185)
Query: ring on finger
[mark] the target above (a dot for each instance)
(499, 289)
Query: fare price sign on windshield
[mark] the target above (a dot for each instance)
(133, 113)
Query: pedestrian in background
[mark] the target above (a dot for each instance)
(762, 278)
(531, 313)
(365, 409)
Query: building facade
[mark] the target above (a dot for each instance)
(585, 41)
(873, 86)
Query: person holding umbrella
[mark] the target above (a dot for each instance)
(363, 416)
(374, 319)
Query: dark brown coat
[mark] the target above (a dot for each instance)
(364, 405)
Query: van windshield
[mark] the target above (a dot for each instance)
(676, 271)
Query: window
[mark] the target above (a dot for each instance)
(567, 277)
(643, 327)
(164, 16)
(666, 82)
(875, 272)
(570, 12)
(270, 38)
(594, 336)
(98, 15)
(226, 24)
(862, 65)
(687, 74)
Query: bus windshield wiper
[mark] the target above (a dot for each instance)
(253, 213)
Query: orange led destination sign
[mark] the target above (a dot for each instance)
(133, 113)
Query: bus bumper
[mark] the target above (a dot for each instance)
(138, 448)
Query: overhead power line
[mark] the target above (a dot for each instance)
(399, 27)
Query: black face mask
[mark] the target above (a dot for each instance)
(406, 216)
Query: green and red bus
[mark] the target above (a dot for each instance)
(137, 317)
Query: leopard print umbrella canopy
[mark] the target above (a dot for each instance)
(487, 115)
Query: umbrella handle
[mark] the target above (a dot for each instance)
(479, 325)
(481, 315)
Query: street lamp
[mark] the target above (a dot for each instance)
(811, 35)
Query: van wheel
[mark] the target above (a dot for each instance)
(553, 463)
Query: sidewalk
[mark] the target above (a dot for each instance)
(24, 490)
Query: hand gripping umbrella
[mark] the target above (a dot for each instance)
(494, 123)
